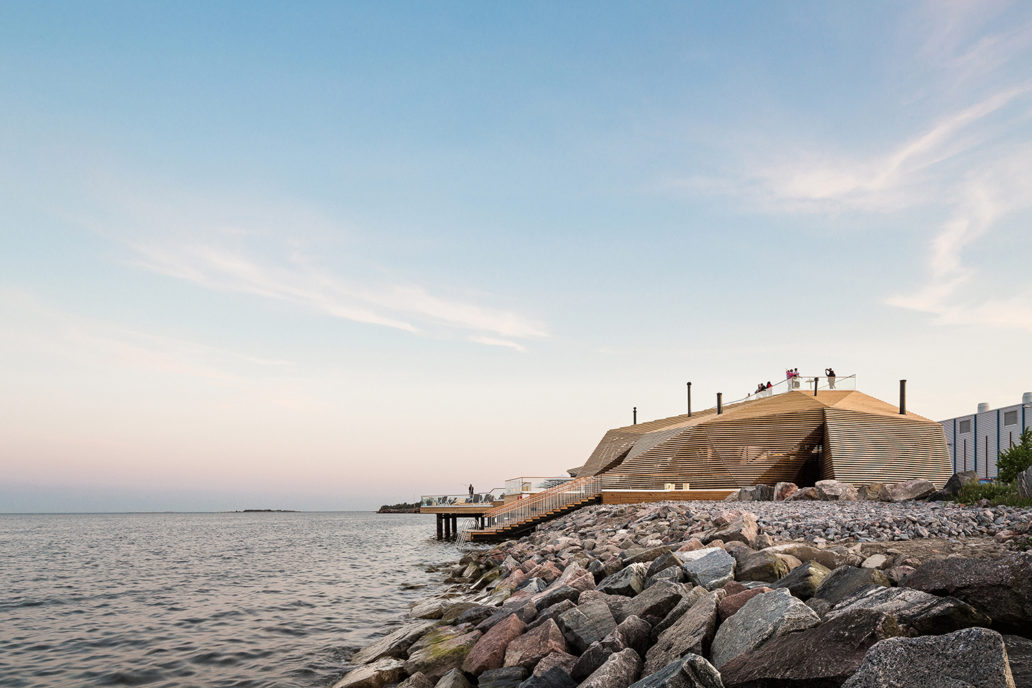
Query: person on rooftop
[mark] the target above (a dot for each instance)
(830, 372)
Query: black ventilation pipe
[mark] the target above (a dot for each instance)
(689, 399)
(635, 416)
(903, 397)
(720, 402)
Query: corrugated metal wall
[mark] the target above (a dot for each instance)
(976, 440)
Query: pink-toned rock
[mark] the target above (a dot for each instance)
(546, 571)
(577, 577)
(691, 545)
(733, 588)
(531, 647)
(514, 579)
(563, 660)
(728, 606)
(489, 652)
(783, 491)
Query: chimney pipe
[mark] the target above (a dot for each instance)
(635, 415)
(689, 399)
(903, 397)
(720, 400)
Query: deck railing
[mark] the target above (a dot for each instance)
(526, 484)
(801, 383)
(477, 499)
(541, 503)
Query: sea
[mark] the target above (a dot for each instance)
(249, 600)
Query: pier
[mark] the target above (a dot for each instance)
(450, 508)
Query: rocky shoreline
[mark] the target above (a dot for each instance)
(804, 592)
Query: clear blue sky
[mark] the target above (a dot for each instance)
(332, 255)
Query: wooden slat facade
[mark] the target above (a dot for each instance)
(796, 436)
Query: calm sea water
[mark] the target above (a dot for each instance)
(265, 599)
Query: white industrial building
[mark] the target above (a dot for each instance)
(975, 441)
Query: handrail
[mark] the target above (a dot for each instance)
(558, 497)
(800, 383)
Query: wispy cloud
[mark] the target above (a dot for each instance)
(278, 252)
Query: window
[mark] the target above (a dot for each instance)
(965, 426)
(1010, 418)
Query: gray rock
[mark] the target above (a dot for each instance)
(824, 655)
(1019, 654)
(973, 657)
(742, 529)
(417, 680)
(504, 677)
(693, 632)
(596, 655)
(664, 561)
(550, 613)
(394, 644)
(804, 580)
(673, 574)
(761, 619)
(960, 480)
(552, 596)
(649, 555)
(553, 678)
(586, 623)
(1000, 588)
(629, 581)
(834, 491)
(436, 658)
(783, 491)
(617, 603)
(711, 567)
(375, 675)
(656, 601)
(690, 671)
(761, 566)
(432, 608)
(924, 613)
(756, 493)
(455, 679)
(846, 581)
(562, 660)
(474, 615)
(635, 633)
(906, 490)
(531, 647)
(677, 612)
(620, 670)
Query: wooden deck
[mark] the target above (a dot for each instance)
(640, 496)
(459, 509)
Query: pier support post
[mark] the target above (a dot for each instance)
(454, 526)
(440, 527)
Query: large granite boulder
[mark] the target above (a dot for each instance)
(649, 555)
(803, 494)
(923, 613)
(550, 596)
(711, 567)
(454, 679)
(830, 557)
(505, 677)
(629, 581)
(742, 529)
(906, 490)
(417, 680)
(974, 657)
(656, 601)
(431, 608)
(474, 615)
(690, 671)
(394, 644)
(756, 493)
(823, 655)
(454, 611)
(635, 632)
(586, 623)
(596, 655)
(440, 653)
(761, 619)
(783, 491)
(764, 566)
(617, 603)
(958, 481)
(562, 660)
(664, 561)
(531, 647)
(619, 671)
(489, 651)
(804, 580)
(693, 632)
(1019, 654)
(553, 678)
(550, 613)
(730, 605)
(1000, 588)
(835, 491)
(374, 675)
(576, 576)
(846, 581)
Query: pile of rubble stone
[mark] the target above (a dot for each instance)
(679, 595)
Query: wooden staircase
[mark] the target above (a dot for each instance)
(522, 516)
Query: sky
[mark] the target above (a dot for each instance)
(335, 255)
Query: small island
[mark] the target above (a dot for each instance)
(400, 508)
